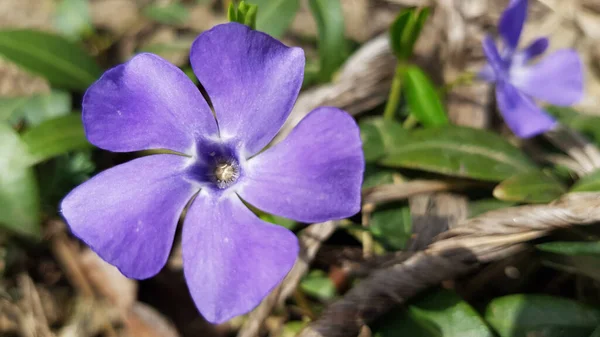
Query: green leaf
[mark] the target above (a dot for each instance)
(539, 315)
(40, 108)
(319, 285)
(72, 18)
(292, 329)
(441, 313)
(54, 137)
(485, 205)
(534, 186)
(64, 63)
(279, 220)
(380, 137)
(405, 31)
(19, 199)
(422, 98)
(589, 183)
(333, 46)
(243, 13)
(391, 225)
(8, 106)
(170, 14)
(375, 176)
(459, 151)
(276, 16)
(589, 125)
(571, 248)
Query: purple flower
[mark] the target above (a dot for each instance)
(556, 79)
(231, 259)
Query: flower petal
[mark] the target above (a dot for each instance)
(520, 113)
(252, 80)
(535, 49)
(128, 214)
(495, 61)
(556, 79)
(314, 175)
(146, 103)
(511, 23)
(232, 259)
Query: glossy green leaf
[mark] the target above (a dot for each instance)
(391, 225)
(40, 108)
(54, 137)
(422, 98)
(72, 18)
(19, 199)
(571, 248)
(275, 16)
(589, 125)
(380, 137)
(375, 175)
(589, 183)
(405, 31)
(440, 313)
(539, 315)
(587, 265)
(459, 151)
(64, 63)
(319, 285)
(333, 46)
(485, 205)
(170, 14)
(534, 186)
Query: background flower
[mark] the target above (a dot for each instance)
(556, 79)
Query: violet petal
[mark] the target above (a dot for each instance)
(534, 49)
(231, 258)
(494, 59)
(511, 23)
(128, 214)
(520, 113)
(314, 175)
(252, 80)
(556, 79)
(146, 103)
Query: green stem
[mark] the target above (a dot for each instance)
(395, 93)
(410, 122)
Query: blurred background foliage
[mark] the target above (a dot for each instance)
(52, 50)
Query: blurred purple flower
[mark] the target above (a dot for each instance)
(231, 259)
(556, 79)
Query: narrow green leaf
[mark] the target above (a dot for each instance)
(571, 248)
(485, 205)
(405, 31)
(63, 63)
(534, 186)
(333, 46)
(19, 198)
(589, 125)
(441, 313)
(376, 175)
(275, 16)
(72, 18)
(54, 137)
(589, 183)
(380, 137)
(391, 225)
(459, 151)
(538, 315)
(422, 98)
(319, 285)
(170, 14)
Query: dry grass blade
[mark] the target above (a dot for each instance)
(489, 237)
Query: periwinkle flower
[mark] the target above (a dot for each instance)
(231, 259)
(556, 79)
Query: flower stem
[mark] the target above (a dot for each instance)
(395, 93)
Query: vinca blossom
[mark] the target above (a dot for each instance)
(231, 259)
(556, 79)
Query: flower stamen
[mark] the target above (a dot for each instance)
(225, 173)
